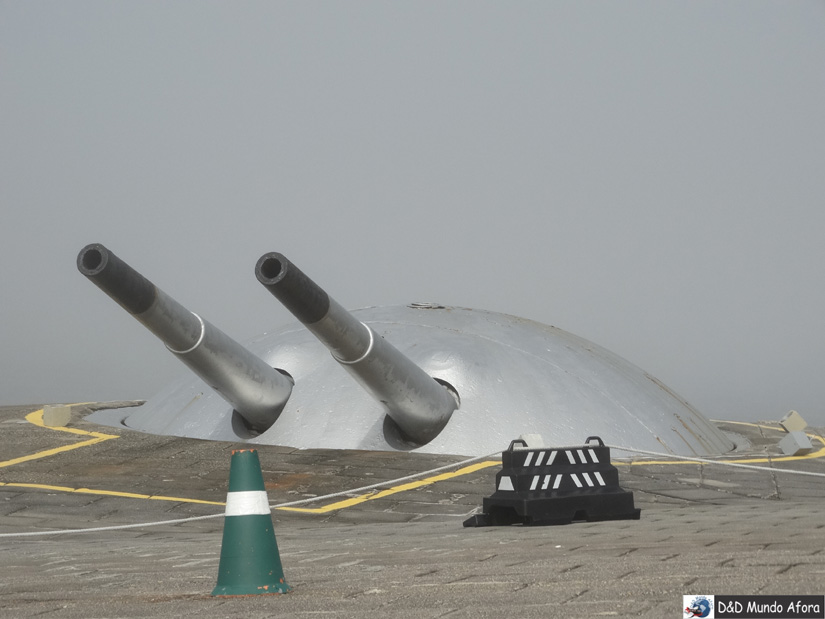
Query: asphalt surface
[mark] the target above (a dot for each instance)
(704, 529)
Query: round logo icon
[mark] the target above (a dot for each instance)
(700, 606)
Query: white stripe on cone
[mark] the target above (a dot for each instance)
(247, 503)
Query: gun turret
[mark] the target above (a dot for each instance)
(418, 404)
(255, 390)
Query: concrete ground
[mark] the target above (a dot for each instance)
(403, 552)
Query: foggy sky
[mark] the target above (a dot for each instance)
(647, 175)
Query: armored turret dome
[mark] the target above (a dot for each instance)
(511, 376)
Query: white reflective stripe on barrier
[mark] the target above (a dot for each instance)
(247, 503)
(535, 482)
(599, 477)
(576, 480)
(551, 456)
(505, 484)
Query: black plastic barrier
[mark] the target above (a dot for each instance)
(556, 485)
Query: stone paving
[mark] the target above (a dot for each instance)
(704, 529)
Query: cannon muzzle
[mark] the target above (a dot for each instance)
(256, 391)
(417, 403)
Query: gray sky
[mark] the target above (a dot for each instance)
(649, 176)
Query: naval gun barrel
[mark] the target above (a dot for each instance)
(256, 391)
(418, 404)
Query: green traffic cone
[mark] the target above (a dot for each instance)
(250, 563)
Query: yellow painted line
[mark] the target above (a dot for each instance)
(394, 490)
(127, 495)
(482, 465)
(819, 453)
(36, 418)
